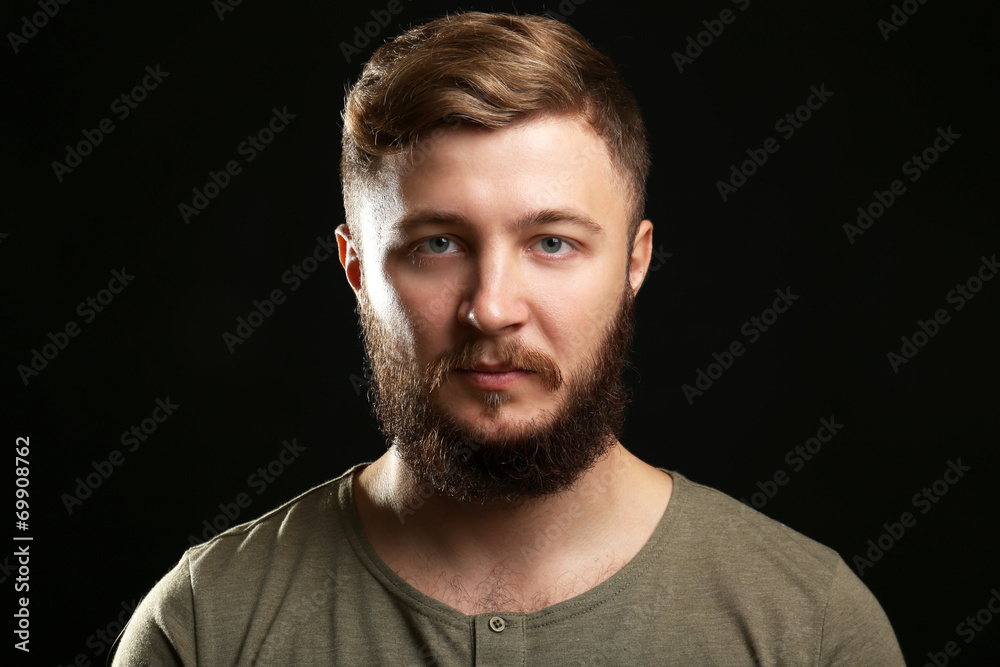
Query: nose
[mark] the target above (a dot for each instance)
(494, 298)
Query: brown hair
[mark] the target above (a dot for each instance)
(487, 69)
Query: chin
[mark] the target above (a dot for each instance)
(476, 405)
(511, 421)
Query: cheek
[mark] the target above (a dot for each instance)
(574, 318)
(427, 315)
(389, 307)
(430, 295)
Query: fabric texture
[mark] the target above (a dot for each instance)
(717, 583)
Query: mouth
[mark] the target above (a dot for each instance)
(495, 368)
(493, 376)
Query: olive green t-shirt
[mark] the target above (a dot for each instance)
(717, 583)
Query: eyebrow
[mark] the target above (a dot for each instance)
(533, 219)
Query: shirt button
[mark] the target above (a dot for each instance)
(497, 624)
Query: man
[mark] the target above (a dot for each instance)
(494, 175)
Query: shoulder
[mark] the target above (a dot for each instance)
(729, 529)
(235, 585)
(311, 525)
(775, 579)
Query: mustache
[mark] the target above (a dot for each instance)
(510, 352)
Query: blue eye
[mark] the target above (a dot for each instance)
(552, 245)
(438, 245)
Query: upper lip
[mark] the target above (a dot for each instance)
(493, 368)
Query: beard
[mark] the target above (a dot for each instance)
(529, 460)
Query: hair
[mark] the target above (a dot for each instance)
(488, 70)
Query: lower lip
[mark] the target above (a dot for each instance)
(494, 380)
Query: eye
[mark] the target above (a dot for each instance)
(551, 245)
(436, 245)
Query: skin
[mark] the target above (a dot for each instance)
(492, 280)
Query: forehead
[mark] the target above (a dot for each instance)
(495, 176)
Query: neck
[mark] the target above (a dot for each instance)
(602, 520)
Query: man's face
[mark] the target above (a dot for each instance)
(496, 299)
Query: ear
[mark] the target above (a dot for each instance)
(642, 253)
(349, 258)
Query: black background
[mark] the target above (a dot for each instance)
(825, 358)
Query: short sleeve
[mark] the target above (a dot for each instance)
(856, 630)
(161, 631)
